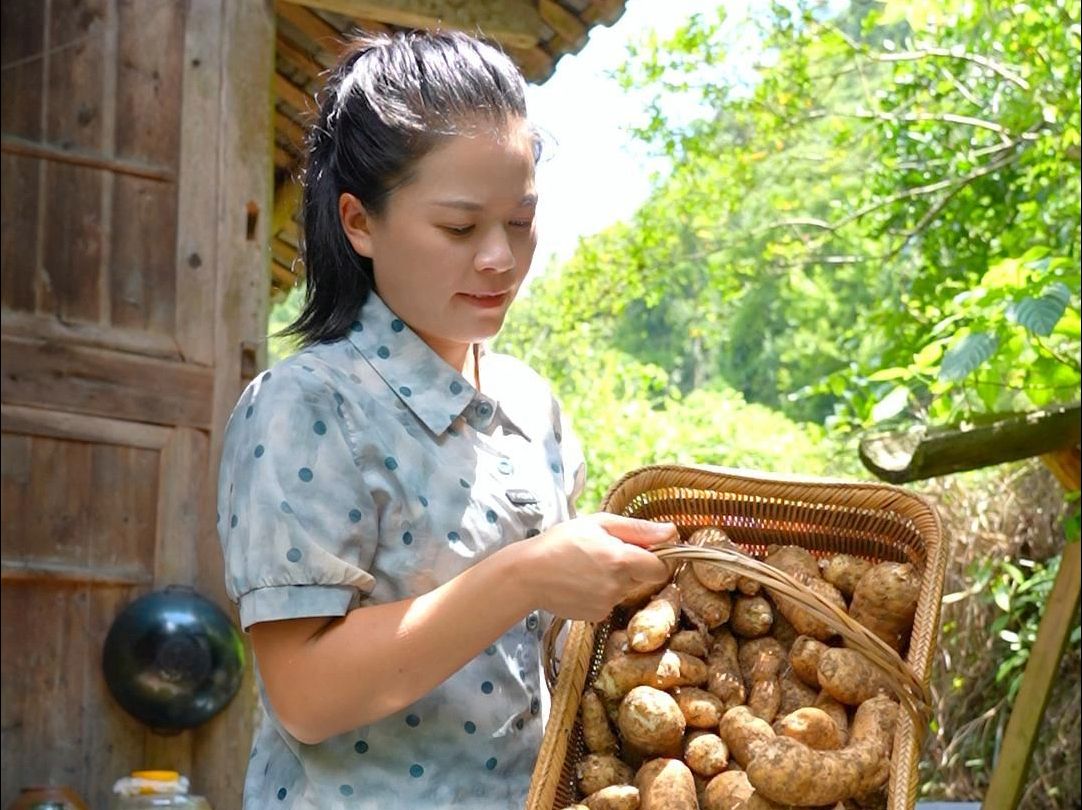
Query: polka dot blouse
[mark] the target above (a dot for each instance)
(367, 471)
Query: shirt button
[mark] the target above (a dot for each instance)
(484, 409)
(505, 466)
(533, 532)
(535, 706)
(531, 622)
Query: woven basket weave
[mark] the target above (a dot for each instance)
(877, 522)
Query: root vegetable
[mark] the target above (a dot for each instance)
(651, 721)
(727, 791)
(885, 601)
(710, 607)
(813, 727)
(705, 753)
(692, 642)
(752, 616)
(713, 577)
(844, 571)
(666, 784)
(596, 731)
(789, 772)
(723, 668)
(804, 657)
(849, 677)
(651, 626)
(701, 709)
(661, 670)
(741, 730)
(597, 771)
(614, 797)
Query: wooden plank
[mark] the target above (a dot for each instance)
(143, 275)
(73, 227)
(605, 12)
(324, 36)
(22, 31)
(300, 100)
(114, 736)
(245, 199)
(123, 511)
(16, 419)
(106, 383)
(510, 22)
(72, 243)
(534, 63)
(1066, 465)
(43, 658)
(76, 63)
(921, 452)
(13, 145)
(196, 257)
(182, 500)
(1042, 670)
(293, 131)
(65, 574)
(563, 22)
(18, 231)
(149, 70)
(52, 330)
(298, 58)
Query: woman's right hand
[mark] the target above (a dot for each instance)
(582, 568)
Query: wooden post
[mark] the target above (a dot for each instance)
(1009, 776)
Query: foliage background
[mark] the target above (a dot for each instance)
(882, 229)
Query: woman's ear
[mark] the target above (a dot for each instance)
(356, 224)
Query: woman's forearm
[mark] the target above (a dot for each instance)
(324, 678)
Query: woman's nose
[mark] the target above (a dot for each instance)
(495, 254)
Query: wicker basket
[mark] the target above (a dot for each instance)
(874, 521)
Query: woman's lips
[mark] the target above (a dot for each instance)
(485, 301)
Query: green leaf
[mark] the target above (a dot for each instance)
(967, 355)
(1040, 315)
(885, 374)
(1002, 598)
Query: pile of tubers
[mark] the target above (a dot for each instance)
(721, 695)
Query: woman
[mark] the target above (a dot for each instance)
(396, 505)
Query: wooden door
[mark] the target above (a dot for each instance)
(136, 196)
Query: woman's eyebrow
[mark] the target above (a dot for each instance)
(470, 205)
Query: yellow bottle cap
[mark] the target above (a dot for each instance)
(156, 776)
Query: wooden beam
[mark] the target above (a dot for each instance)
(921, 453)
(324, 36)
(293, 131)
(297, 57)
(300, 100)
(563, 22)
(13, 145)
(1042, 670)
(510, 22)
(67, 574)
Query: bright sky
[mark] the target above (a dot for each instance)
(598, 174)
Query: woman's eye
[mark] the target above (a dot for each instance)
(457, 230)
(521, 223)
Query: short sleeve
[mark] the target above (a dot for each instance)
(571, 456)
(297, 525)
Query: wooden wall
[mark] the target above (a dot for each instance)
(135, 208)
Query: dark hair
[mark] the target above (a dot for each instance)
(385, 105)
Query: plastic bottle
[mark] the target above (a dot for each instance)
(144, 790)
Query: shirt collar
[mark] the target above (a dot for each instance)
(420, 378)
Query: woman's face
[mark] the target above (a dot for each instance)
(454, 243)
